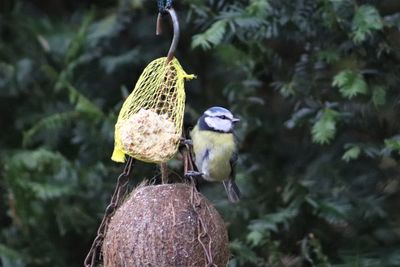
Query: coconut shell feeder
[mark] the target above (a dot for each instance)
(166, 225)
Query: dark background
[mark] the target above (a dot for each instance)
(315, 83)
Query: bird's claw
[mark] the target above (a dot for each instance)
(193, 174)
(186, 142)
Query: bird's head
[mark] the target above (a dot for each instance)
(217, 119)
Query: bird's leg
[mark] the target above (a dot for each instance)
(186, 142)
(192, 177)
(193, 174)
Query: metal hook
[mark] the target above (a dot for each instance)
(175, 24)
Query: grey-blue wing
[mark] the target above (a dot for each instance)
(232, 190)
(232, 162)
(230, 186)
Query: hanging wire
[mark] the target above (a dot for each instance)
(116, 200)
(163, 5)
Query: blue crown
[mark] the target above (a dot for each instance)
(218, 109)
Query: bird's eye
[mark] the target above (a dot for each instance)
(223, 117)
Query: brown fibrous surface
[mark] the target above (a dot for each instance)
(166, 225)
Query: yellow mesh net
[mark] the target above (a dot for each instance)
(149, 124)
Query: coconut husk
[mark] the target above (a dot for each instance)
(166, 225)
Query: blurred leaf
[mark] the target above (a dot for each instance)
(244, 253)
(378, 96)
(83, 104)
(10, 257)
(258, 8)
(113, 63)
(7, 73)
(24, 75)
(50, 124)
(351, 153)
(350, 83)
(270, 222)
(393, 143)
(46, 191)
(137, 4)
(231, 54)
(329, 56)
(285, 88)
(312, 252)
(365, 21)
(298, 117)
(324, 129)
(211, 37)
(77, 43)
(255, 238)
(102, 29)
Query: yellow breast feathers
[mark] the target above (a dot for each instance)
(213, 152)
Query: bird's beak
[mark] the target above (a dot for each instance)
(235, 120)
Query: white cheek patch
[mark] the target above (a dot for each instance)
(218, 124)
(218, 113)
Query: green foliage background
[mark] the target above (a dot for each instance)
(315, 83)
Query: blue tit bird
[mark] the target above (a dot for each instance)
(215, 149)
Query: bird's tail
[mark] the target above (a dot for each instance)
(232, 190)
